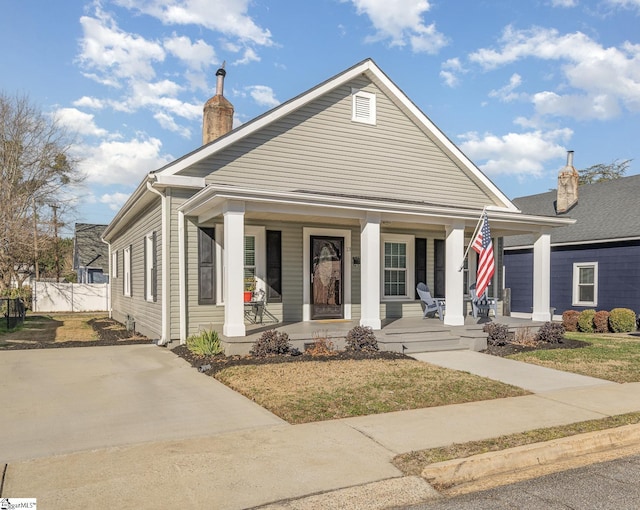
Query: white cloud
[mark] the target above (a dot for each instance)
(111, 55)
(229, 17)
(79, 122)
(114, 200)
(89, 102)
(603, 79)
(248, 56)
(196, 55)
(402, 22)
(516, 154)
(506, 93)
(626, 4)
(168, 122)
(263, 95)
(122, 162)
(450, 70)
(564, 3)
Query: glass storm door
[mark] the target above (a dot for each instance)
(326, 277)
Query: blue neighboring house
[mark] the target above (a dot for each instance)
(595, 263)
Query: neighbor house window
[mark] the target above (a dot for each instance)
(150, 269)
(398, 266)
(126, 276)
(363, 106)
(585, 284)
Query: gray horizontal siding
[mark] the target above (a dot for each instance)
(319, 148)
(147, 315)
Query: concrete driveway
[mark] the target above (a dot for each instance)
(55, 401)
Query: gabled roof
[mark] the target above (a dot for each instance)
(88, 248)
(606, 211)
(379, 78)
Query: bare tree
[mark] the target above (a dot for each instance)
(36, 166)
(603, 172)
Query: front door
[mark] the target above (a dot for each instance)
(327, 255)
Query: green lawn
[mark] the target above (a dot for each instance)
(612, 357)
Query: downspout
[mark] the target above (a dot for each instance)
(164, 339)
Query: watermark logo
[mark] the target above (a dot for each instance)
(18, 503)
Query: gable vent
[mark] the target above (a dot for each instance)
(364, 107)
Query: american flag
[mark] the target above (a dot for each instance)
(486, 265)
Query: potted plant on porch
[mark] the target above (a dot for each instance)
(249, 288)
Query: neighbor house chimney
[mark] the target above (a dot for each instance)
(217, 118)
(567, 186)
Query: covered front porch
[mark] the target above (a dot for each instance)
(406, 335)
(368, 250)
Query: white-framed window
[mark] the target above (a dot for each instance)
(255, 260)
(126, 273)
(585, 284)
(150, 267)
(114, 264)
(398, 266)
(363, 106)
(249, 262)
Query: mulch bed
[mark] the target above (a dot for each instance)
(510, 348)
(110, 332)
(215, 364)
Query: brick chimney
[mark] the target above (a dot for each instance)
(217, 118)
(567, 186)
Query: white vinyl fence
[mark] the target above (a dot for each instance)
(70, 297)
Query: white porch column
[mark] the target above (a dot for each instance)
(370, 271)
(454, 278)
(233, 214)
(541, 277)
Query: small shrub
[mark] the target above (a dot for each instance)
(601, 321)
(622, 320)
(585, 321)
(321, 346)
(498, 334)
(570, 320)
(205, 343)
(361, 338)
(524, 336)
(551, 332)
(270, 343)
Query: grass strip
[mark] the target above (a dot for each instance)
(325, 390)
(612, 357)
(412, 463)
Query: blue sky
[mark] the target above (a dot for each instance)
(514, 84)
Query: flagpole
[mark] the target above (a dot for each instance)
(473, 237)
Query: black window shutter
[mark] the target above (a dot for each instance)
(421, 262)
(439, 274)
(274, 266)
(154, 272)
(144, 266)
(131, 270)
(206, 266)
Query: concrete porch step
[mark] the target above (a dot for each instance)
(409, 343)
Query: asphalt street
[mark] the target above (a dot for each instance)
(613, 485)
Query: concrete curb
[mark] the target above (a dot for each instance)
(458, 471)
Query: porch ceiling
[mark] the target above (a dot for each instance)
(297, 206)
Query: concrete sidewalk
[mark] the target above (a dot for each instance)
(279, 463)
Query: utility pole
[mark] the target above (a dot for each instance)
(55, 236)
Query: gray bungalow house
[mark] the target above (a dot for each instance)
(595, 263)
(335, 204)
